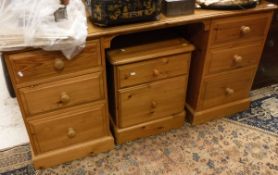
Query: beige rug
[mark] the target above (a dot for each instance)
(219, 147)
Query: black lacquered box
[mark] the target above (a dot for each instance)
(116, 12)
(178, 7)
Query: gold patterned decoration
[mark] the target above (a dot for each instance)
(124, 9)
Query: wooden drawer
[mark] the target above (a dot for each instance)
(240, 28)
(38, 65)
(225, 88)
(60, 94)
(147, 71)
(52, 131)
(150, 101)
(230, 58)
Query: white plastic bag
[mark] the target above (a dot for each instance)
(31, 23)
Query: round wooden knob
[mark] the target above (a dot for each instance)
(59, 64)
(71, 133)
(65, 98)
(154, 104)
(229, 91)
(245, 29)
(237, 59)
(156, 72)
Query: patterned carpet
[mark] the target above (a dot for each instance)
(263, 112)
(243, 144)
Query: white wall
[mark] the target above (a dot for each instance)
(12, 130)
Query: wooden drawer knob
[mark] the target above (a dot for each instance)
(237, 59)
(156, 72)
(65, 98)
(71, 133)
(154, 104)
(59, 64)
(245, 29)
(229, 91)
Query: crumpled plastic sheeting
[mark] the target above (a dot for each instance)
(31, 23)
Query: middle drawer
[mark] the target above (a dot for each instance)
(147, 71)
(150, 101)
(227, 59)
(60, 94)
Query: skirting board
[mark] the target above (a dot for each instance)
(199, 117)
(123, 135)
(59, 156)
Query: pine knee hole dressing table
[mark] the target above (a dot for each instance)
(65, 103)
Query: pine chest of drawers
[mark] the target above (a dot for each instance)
(63, 103)
(147, 86)
(227, 64)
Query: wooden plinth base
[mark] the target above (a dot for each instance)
(63, 155)
(198, 117)
(123, 135)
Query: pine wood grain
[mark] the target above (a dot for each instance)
(229, 30)
(49, 96)
(53, 131)
(153, 70)
(153, 127)
(231, 58)
(149, 50)
(199, 15)
(151, 101)
(226, 87)
(39, 65)
(73, 152)
(220, 85)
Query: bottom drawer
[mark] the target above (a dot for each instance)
(151, 101)
(52, 131)
(225, 88)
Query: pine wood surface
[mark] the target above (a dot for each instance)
(148, 83)
(56, 104)
(219, 92)
(122, 135)
(209, 75)
(151, 101)
(38, 65)
(220, 111)
(239, 29)
(60, 94)
(198, 16)
(152, 70)
(149, 50)
(231, 58)
(226, 87)
(83, 124)
(55, 157)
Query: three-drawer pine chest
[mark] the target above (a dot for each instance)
(63, 103)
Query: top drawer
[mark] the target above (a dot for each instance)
(37, 65)
(240, 28)
(147, 71)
